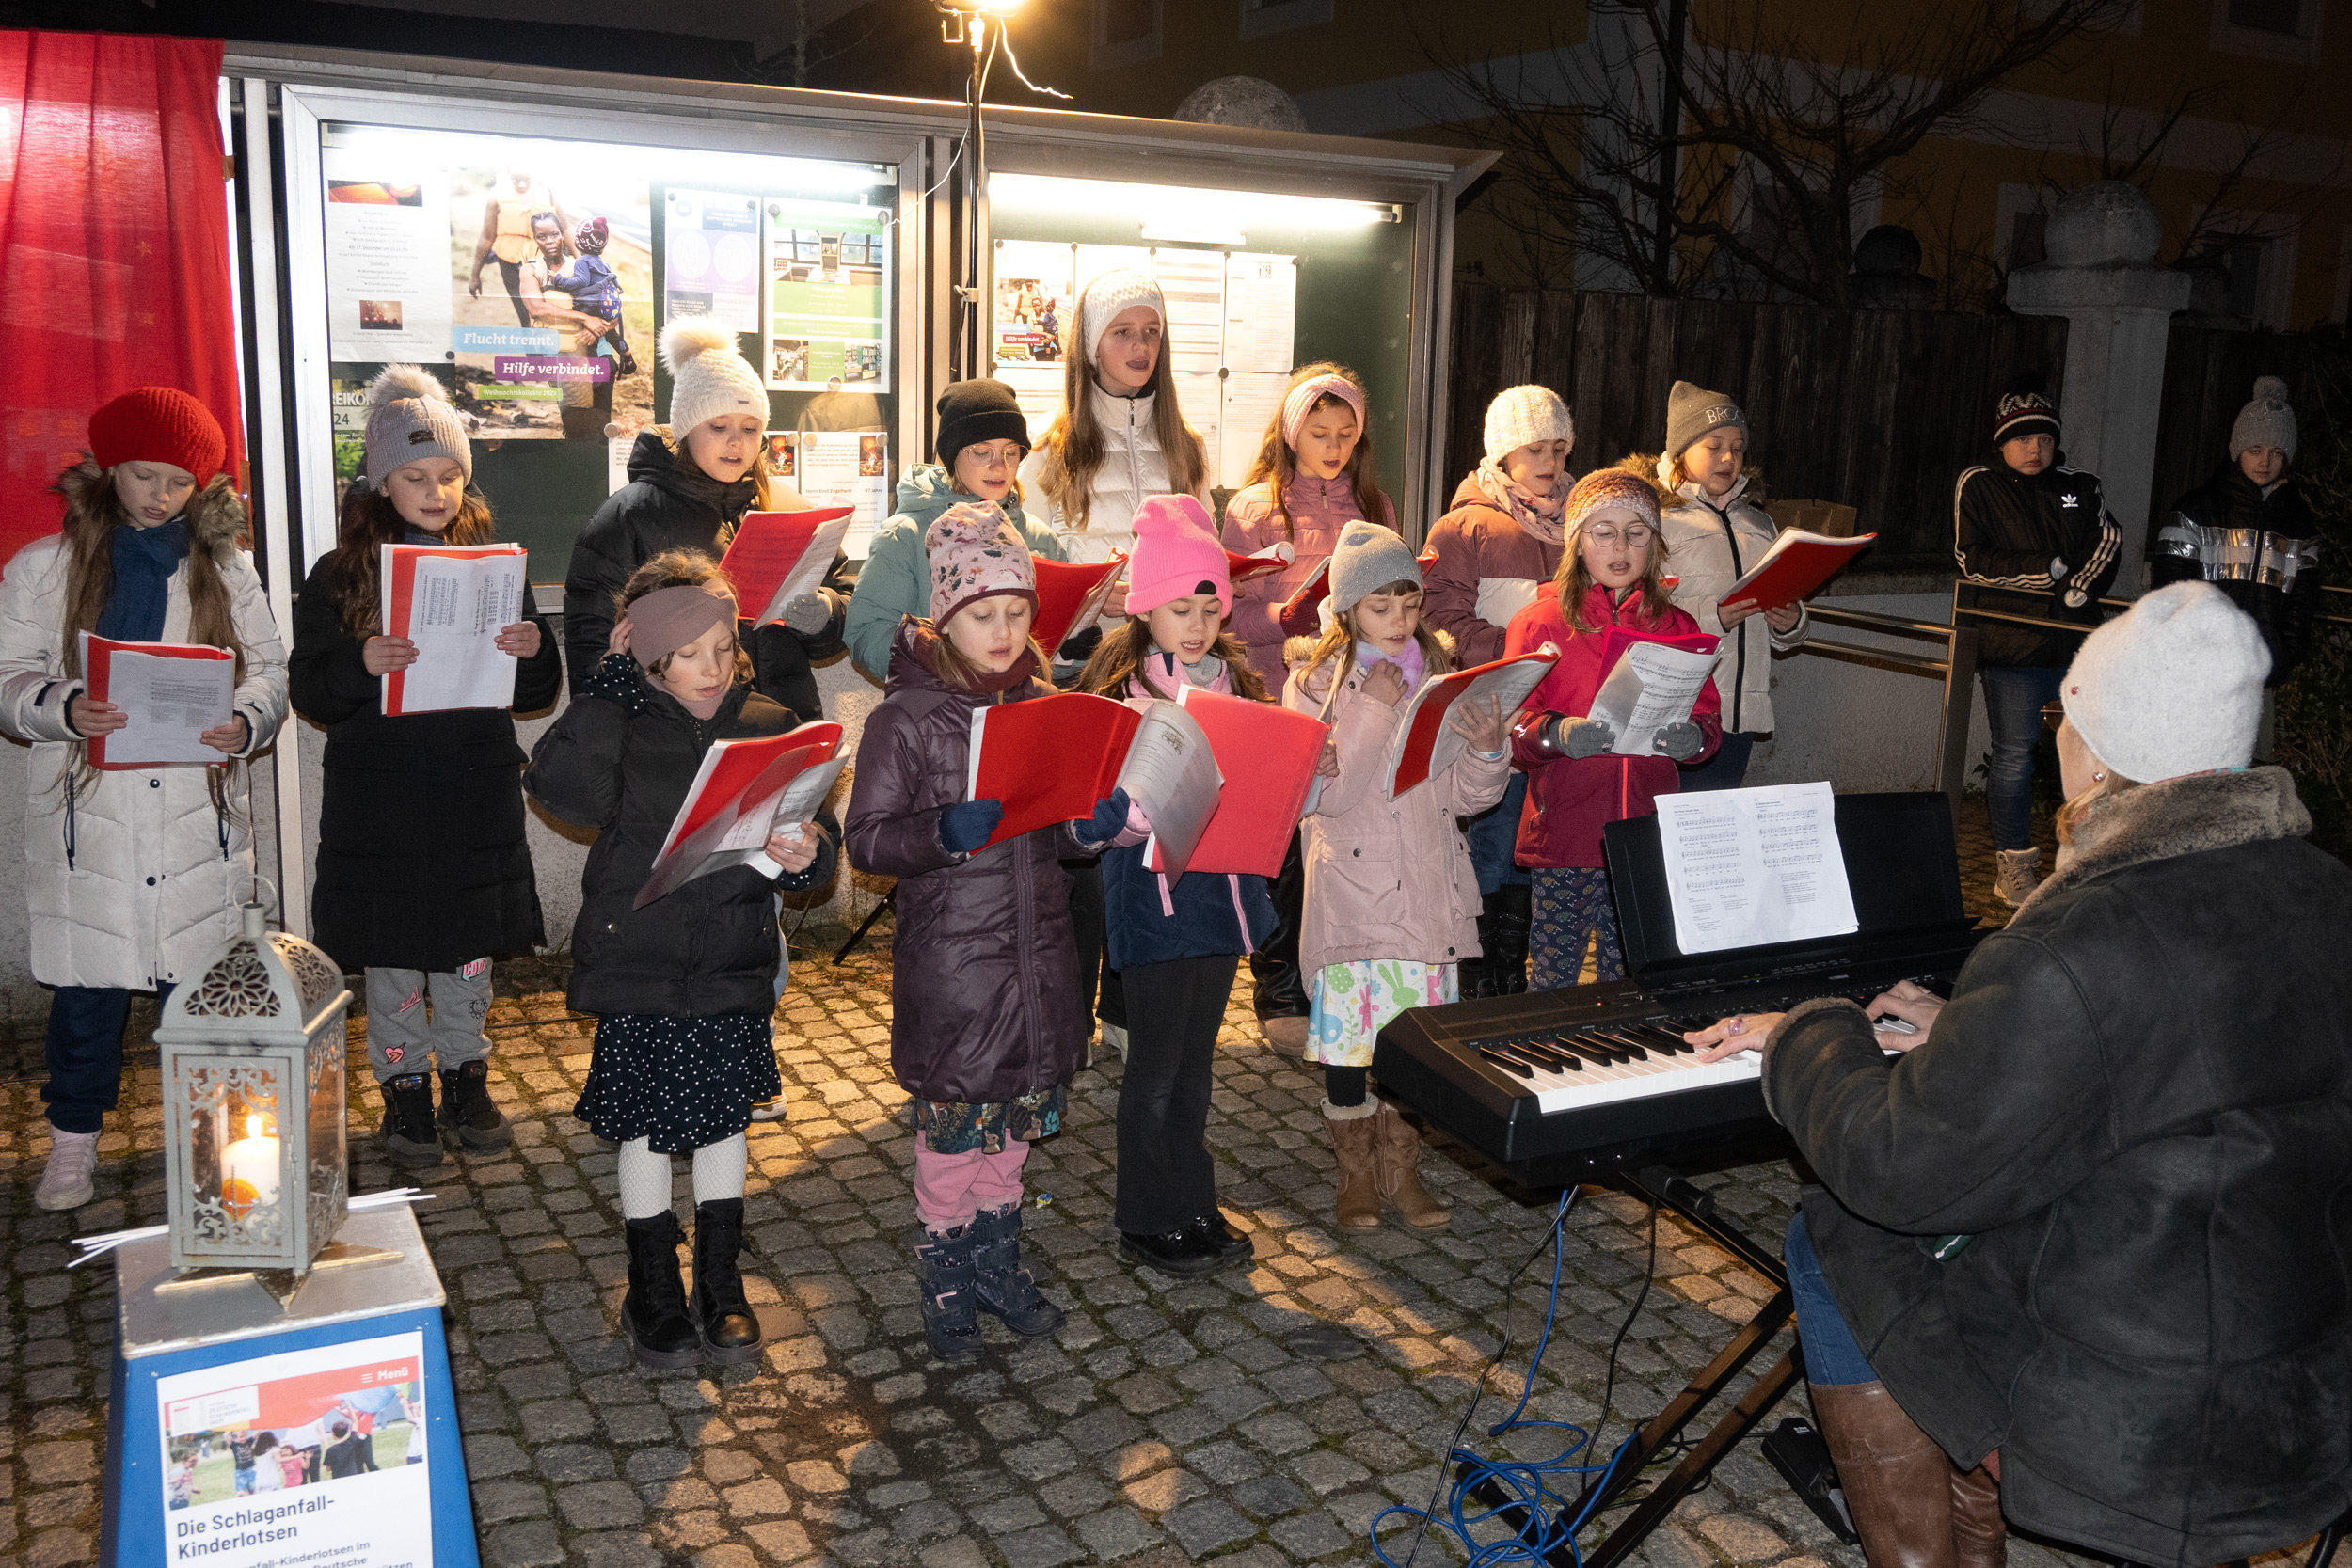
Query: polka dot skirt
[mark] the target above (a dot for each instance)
(678, 1082)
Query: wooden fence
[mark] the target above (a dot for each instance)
(1880, 409)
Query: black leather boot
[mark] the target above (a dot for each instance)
(409, 1135)
(467, 1110)
(723, 1318)
(1003, 1287)
(946, 1290)
(1512, 912)
(653, 1314)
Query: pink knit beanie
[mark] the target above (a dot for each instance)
(1176, 552)
(974, 552)
(1609, 487)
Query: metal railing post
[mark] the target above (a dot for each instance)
(1951, 741)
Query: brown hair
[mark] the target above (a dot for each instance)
(1277, 465)
(950, 665)
(1574, 581)
(370, 520)
(1343, 633)
(1120, 658)
(1074, 447)
(680, 569)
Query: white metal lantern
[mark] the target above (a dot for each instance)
(253, 1089)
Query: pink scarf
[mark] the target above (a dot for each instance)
(1538, 515)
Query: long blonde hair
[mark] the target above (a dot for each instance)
(1437, 657)
(1277, 465)
(1074, 448)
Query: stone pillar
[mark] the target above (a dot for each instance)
(2103, 278)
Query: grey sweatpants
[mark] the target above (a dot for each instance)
(419, 1021)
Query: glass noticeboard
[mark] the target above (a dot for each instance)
(1256, 283)
(533, 276)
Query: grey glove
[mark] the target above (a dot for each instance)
(1679, 741)
(808, 614)
(1584, 738)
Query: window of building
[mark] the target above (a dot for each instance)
(1261, 17)
(1125, 32)
(2268, 29)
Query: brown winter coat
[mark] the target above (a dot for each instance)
(1478, 542)
(1385, 878)
(984, 982)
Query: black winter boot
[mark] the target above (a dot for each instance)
(1004, 1288)
(408, 1133)
(728, 1327)
(946, 1290)
(653, 1314)
(1475, 977)
(467, 1110)
(1513, 914)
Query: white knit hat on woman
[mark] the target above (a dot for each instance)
(1522, 416)
(1106, 297)
(707, 377)
(2172, 686)
(2266, 421)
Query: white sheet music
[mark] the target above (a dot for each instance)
(1745, 867)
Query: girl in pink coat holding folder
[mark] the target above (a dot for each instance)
(1391, 905)
(1612, 575)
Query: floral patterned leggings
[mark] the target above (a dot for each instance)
(1571, 911)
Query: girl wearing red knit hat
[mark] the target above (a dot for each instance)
(133, 875)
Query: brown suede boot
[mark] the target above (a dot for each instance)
(1979, 1536)
(1351, 1140)
(1898, 1482)
(1399, 1149)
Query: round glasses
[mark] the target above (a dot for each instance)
(1609, 538)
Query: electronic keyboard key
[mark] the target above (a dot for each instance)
(1597, 1056)
(1508, 1064)
(1664, 1039)
(1629, 1040)
(1619, 1054)
(1551, 1056)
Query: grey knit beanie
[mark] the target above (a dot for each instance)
(1693, 411)
(410, 417)
(2266, 421)
(2172, 686)
(1369, 557)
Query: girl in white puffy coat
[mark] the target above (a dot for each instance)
(134, 876)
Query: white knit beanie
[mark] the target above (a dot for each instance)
(1106, 297)
(1522, 416)
(707, 377)
(2172, 686)
(2266, 421)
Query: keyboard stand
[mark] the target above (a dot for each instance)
(1658, 1184)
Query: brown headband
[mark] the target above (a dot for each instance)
(662, 622)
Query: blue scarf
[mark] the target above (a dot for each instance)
(144, 560)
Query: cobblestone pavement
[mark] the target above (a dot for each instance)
(1263, 1416)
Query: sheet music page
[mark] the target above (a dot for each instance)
(1652, 687)
(1747, 867)
(169, 701)
(1171, 768)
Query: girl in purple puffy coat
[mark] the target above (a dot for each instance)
(987, 1027)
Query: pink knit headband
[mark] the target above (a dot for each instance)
(1307, 394)
(662, 622)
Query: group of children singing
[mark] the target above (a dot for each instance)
(1008, 954)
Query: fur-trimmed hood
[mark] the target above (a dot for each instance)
(2186, 816)
(215, 515)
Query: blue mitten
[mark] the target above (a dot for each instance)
(1110, 815)
(966, 826)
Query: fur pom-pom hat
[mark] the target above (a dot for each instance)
(2266, 421)
(410, 417)
(707, 377)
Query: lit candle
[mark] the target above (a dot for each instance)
(248, 1171)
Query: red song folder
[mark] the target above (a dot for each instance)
(1068, 596)
(171, 693)
(775, 556)
(1267, 754)
(1426, 745)
(732, 806)
(1298, 611)
(1276, 557)
(1798, 563)
(1051, 758)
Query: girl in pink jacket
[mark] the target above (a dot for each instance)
(1391, 905)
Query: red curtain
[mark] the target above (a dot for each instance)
(114, 248)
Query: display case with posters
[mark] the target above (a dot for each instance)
(531, 264)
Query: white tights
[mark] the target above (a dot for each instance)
(645, 1175)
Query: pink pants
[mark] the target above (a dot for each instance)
(949, 1189)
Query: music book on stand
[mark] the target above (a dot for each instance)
(451, 601)
(1070, 597)
(1051, 758)
(1426, 745)
(775, 556)
(1653, 681)
(1268, 753)
(745, 791)
(1797, 565)
(170, 693)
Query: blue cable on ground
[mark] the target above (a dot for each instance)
(1527, 1484)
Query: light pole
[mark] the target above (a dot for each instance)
(968, 21)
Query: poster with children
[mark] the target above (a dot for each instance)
(300, 1457)
(828, 270)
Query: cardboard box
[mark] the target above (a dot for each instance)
(1828, 519)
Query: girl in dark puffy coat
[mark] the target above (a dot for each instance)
(424, 873)
(987, 1024)
(683, 989)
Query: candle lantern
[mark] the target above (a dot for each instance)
(253, 1051)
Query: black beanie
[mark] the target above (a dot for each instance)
(979, 410)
